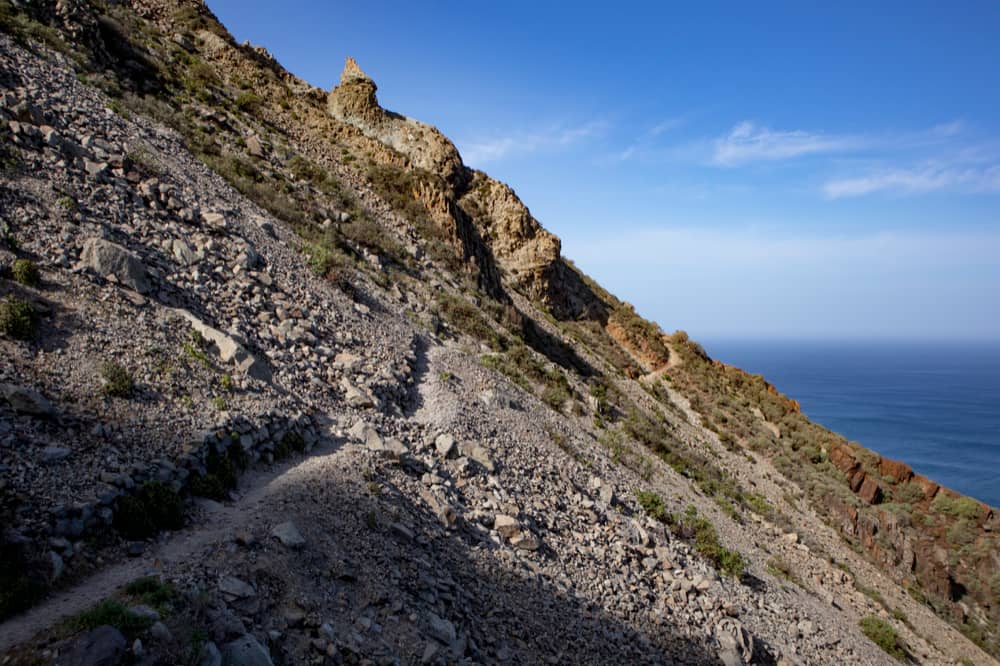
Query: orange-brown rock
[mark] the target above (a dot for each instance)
(899, 471)
(870, 491)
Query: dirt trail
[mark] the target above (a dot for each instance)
(214, 523)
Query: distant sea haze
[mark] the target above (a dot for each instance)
(935, 406)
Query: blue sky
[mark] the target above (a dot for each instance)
(737, 170)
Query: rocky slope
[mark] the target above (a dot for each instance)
(286, 382)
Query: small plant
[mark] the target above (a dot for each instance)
(883, 635)
(194, 349)
(155, 507)
(118, 382)
(150, 591)
(706, 542)
(226, 382)
(219, 402)
(652, 504)
(957, 507)
(444, 376)
(7, 236)
(115, 614)
(248, 101)
(18, 319)
(26, 272)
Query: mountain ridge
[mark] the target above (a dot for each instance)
(415, 214)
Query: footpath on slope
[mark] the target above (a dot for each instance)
(214, 522)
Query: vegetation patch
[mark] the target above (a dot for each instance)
(117, 380)
(883, 635)
(155, 507)
(18, 319)
(26, 272)
(652, 504)
(115, 614)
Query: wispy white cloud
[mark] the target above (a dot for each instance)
(918, 180)
(667, 125)
(748, 142)
(644, 143)
(494, 149)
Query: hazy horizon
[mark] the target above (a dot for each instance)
(752, 172)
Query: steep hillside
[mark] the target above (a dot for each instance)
(286, 382)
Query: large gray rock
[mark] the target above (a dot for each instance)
(735, 642)
(103, 646)
(24, 400)
(228, 348)
(478, 453)
(234, 587)
(289, 535)
(245, 651)
(440, 629)
(110, 260)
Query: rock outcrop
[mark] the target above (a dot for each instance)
(353, 101)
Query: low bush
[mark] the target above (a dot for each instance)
(883, 635)
(18, 319)
(652, 504)
(957, 507)
(117, 615)
(26, 272)
(155, 507)
(152, 592)
(117, 380)
(707, 544)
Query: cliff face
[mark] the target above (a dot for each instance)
(389, 419)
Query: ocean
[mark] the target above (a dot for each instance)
(935, 406)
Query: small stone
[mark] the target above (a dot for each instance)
(289, 535)
(52, 455)
(246, 651)
(237, 588)
(440, 629)
(445, 445)
(24, 400)
(103, 645)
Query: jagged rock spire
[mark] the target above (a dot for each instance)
(353, 72)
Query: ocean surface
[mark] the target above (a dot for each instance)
(935, 406)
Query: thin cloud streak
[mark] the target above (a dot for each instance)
(918, 180)
(748, 142)
(524, 143)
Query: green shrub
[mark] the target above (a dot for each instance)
(18, 319)
(152, 592)
(707, 544)
(883, 635)
(118, 381)
(131, 519)
(248, 101)
(26, 272)
(155, 507)
(957, 507)
(290, 442)
(908, 493)
(18, 590)
(652, 504)
(115, 614)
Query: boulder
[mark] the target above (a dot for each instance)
(109, 260)
(289, 535)
(245, 651)
(445, 445)
(24, 400)
(228, 348)
(479, 454)
(103, 646)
